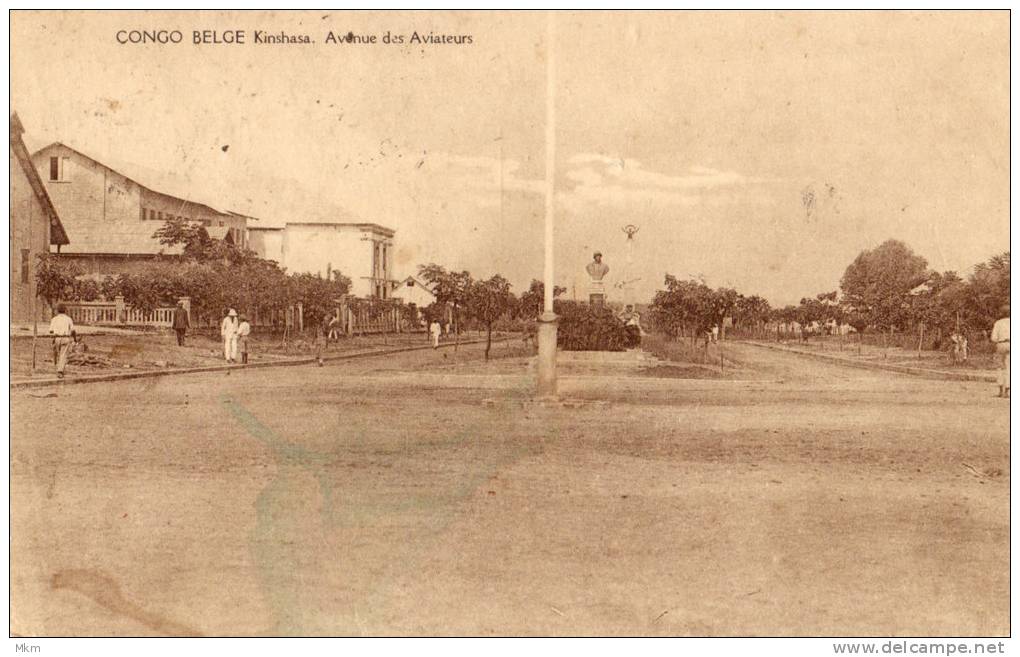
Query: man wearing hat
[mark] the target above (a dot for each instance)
(597, 270)
(1000, 338)
(181, 322)
(228, 330)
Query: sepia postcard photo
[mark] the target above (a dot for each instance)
(511, 323)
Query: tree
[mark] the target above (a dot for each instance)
(688, 306)
(487, 301)
(752, 311)
(318, 296)
(987, 291)
(198, 245)
(55, 278)
(533, 300)
(878, 282)
(448, 286)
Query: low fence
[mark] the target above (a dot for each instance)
(353, 319)
(119, 313)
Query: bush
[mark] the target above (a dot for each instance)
(587, 328)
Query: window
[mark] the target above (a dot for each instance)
(58, 169)
(143, 214)
(25, 263)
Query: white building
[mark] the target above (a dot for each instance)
(411, 290)
(361, 251)
(267, 242)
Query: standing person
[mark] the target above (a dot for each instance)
(181, 323)
(321, 338)
(1000, 337)
(228, 330)
(61, 328)
(715, 333)
(434, 330)
(334, 328)
(243, 331)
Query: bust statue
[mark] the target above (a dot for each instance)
(596, 268)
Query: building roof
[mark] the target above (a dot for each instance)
(415, 282)
(122, 238)
(57, 233)
(158, 182)
(375, 228)
(265, 227)
(220, 233)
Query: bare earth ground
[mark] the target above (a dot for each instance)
(417, 494)
(119, 352)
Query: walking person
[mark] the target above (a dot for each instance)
(62, 329)
(334, 329)
(228, 330)
(1000, 337)
(181, 323)
(435, 328)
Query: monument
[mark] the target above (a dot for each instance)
(597, 270)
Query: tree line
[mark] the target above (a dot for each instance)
(888, 288)
(215, 274)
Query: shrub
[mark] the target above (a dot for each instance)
(586, 328)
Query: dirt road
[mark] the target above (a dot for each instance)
(418, 495)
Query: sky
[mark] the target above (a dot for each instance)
(755, 150)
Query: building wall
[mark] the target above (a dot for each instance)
(157, 208)
(29, 232)
(89, 198)
(268, 244)
(92, 199)
(111, 265)
(317, 248)
(415, 294)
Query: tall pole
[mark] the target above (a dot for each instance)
(629, 279)
(547, 322)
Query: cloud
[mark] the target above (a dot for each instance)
(608, 180)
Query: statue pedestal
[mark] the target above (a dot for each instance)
(597, 294)
(547, 324)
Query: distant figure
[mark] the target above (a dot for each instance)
(597, 270)
(959, 348)
(228, 330)
(62, 330)
(320, 340)
(435, 328)
(334, 328)
(632, 324)
(715, 333)
(1000, 337)
(181, 323)
(243, 331)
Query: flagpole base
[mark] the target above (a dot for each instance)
(547, 327)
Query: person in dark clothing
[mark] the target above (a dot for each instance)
(181, 323)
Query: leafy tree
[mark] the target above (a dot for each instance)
(533, 300)
(988, 290)
(198, 245)
(878, 282)
(752, 311)
(449, 287)
(318, 296)
(55, 278)
(688, 307)
(487, 301)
